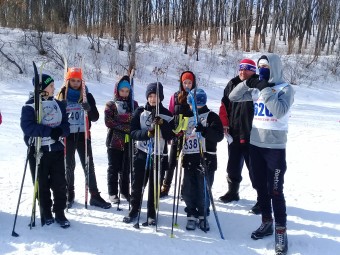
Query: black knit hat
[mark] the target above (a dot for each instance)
(152, 88)
(46, 80)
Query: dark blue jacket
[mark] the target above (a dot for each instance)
(30, 127)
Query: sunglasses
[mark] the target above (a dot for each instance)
(73, 80)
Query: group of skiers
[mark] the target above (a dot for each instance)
(253, 116)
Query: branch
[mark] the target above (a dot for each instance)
(10, 60)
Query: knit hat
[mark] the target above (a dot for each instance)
(74, 72)
(124, 84)
(247, 64)
(201, 98)
(152, 88)
(46, 80)
(187, 76)
(263, 60)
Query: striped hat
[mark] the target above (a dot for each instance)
(247, 64)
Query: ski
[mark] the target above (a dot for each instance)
(131, 142)
(182, 127)
(68, 204)
(157, 159)
(87, 137)
(38, 153)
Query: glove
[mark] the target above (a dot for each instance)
(236, 80)
(151, 133)
(56, 133)
(264, 73)
(254, 82)
(158, 120)
(86, 106)
(199, 128)
(180, 133)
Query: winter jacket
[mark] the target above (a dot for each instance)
(93, 114)
(51, 110)
(213, 133)
(141, 134)
(118, 115)
(238, 116)
(271, 106)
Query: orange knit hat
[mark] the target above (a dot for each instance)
(74, 72)
(187, 76)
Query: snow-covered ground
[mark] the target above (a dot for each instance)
(311, 183)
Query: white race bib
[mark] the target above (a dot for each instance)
(264, 119)
(75, 117)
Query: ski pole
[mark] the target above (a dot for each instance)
(147, 167)
(175, 189)
(86, 137)
(20, 192)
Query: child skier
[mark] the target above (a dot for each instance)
(72, 93)
(211, 131)
(143, 125)
(51, 173)
(178, 105)
(118, 115)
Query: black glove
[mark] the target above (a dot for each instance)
(199, 127)
(264, 73)
(158, 120)
(56, 133)
(254, 82)
(236, 80)
(86, 106)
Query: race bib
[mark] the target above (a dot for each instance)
(75, 117)
(192, 142)
(52, 117)
(264, 119)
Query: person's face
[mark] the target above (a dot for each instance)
(152, 99)
(75, 83)
(50, 90)
(187, 84)
(124, 92)
(245, 74)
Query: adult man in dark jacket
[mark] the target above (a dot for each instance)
(237, 120)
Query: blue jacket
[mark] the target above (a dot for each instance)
(31, 129)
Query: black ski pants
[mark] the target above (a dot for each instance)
(51, 176)
(238, 154)
(76, 142)
(269, 166)
(143, 173)
(118, 165)
(172, 160)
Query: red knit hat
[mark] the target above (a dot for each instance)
(248, 64)
(74, 72)
(187, 76)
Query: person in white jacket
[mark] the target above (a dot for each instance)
(272, 98)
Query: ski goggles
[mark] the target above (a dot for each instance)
(247, 67)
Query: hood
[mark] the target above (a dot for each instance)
(276, 72)
(115, 92)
